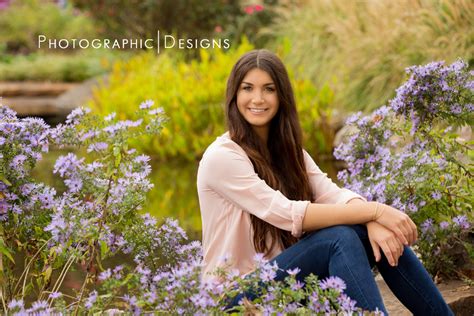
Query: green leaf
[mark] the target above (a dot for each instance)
(104, 249)
(47, 274)
(4, 180)
(4, 250)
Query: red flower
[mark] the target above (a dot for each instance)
(258, 8)
(249, 9)
(218, 29)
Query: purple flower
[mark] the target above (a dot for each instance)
(27, 188)
(353, 118)
(436, 195)
(443, 225)
(76, 114)
(39, 305)
(348, 305)
(294, 271)
(297, 285)
(87, 135)
(110, 117)
(100, 146)
(55, 295)
(427, 226)
(47, 199)
(156, 111)
(268, 272)
(16, 304)
(333, 282)
(456, 109)
(268, 297)
(74, 184)
(66, 165)
(91, 299)
(412, 207)
(147, 104)
(93, 166)
(462, 221)
(18, 161)
(291, 308)
(104, 275)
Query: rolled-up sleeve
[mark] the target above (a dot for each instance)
(231, 174)
(324, 190)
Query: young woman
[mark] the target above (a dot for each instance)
(259, 191)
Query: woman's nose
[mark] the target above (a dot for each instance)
(257, 97)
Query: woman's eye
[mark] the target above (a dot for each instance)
(270, 89)
(247, 88)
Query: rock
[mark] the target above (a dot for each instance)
(30, 89)
(463, 306)
(33, 106)
(457, 294)
(79, 95)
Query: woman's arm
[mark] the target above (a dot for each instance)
(325, 191)
(324, 215)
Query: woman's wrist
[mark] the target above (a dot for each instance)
(369, 207)
(378, 211)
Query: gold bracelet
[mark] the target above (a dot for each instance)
(376, 211)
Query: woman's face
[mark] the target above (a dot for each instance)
(257, 100)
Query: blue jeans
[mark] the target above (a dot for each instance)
(345, 251)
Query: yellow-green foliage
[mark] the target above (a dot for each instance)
(366, 45)
(192, 95)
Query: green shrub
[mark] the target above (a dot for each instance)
(23, 21)
(365, 45)
(56, 67)
(187, 17)
(192, 95)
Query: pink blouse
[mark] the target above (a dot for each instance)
(229, 190)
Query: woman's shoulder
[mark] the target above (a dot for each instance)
(221, 147)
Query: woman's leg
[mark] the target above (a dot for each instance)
(409, 281)
(332, 251)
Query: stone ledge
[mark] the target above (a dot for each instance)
(29, 89)
(457, 294)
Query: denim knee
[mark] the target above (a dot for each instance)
(340, 234)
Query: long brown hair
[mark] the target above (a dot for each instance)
(280, 162)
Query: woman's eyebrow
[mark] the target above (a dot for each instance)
(266, 84)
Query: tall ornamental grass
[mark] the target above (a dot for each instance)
(362, 47)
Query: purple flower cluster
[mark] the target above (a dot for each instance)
(436, 90)
(31, 133)
(40, 307)
(421, 171)
(22, 142)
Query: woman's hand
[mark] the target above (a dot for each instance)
(383, 238)
(397, 221)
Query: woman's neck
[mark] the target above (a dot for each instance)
(262, 133)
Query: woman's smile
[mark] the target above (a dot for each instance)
(258, 111)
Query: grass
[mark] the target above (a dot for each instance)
(361, 48)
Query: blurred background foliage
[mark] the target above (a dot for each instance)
(342, 56)
(361, 48)
(22, 21)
